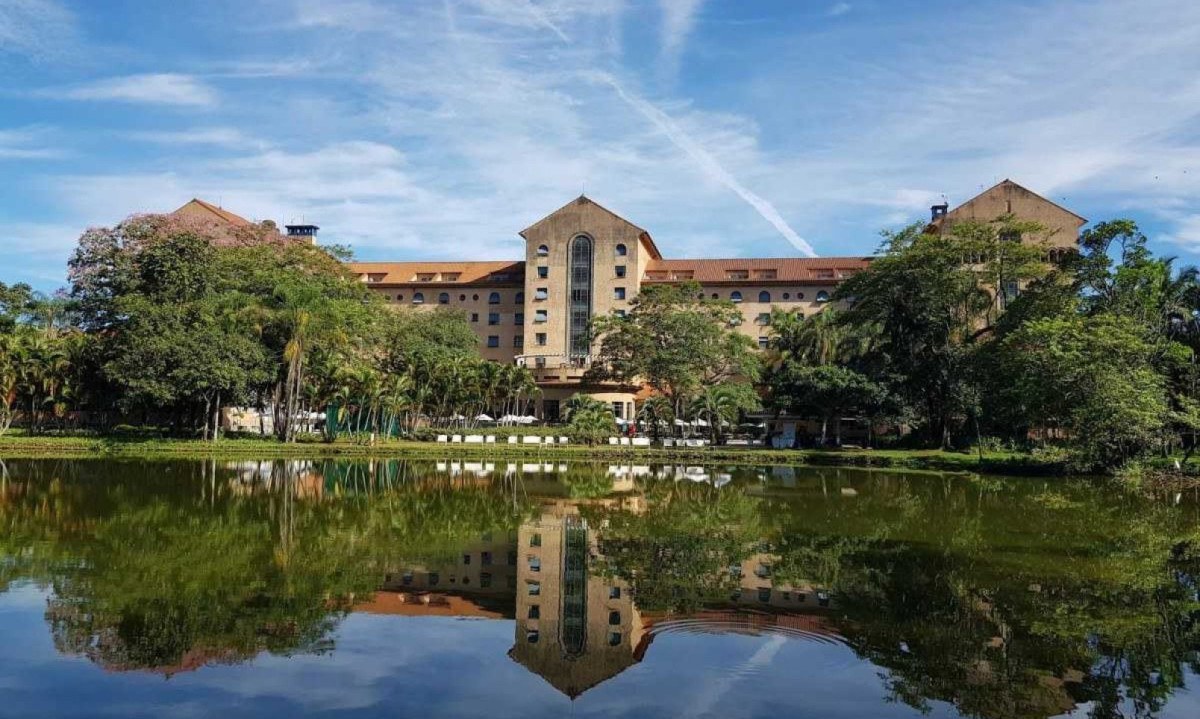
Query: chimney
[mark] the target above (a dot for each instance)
(308, 232)
(938, 211)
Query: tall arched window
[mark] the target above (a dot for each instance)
(764, 296)
(494, 298)
(418, 298)
(580, 296)
(622, 251)
(444, 298)
(735, 296)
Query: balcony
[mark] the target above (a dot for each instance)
(554, 367)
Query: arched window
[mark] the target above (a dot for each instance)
(542, 250)
(622, 250)
(494, 298)
(418, 298)
(764, 296)
(822, 296)
(714, 295)
(735, 296)
(580, 294)
(444, 298)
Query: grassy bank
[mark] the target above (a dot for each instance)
(20, 446)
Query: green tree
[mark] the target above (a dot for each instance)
(589, 420)
(676, 341)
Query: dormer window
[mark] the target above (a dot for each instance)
(764, 274)
(424, 277)
(542, 251)
(737, 274)
(449, 277)
(622, 250)
(825, 274)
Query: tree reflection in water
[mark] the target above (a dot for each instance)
(1005, 598)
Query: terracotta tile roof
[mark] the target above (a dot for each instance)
(758, 270)
(500, 272)
(197, 206)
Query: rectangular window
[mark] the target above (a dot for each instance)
(540, 316)
(519, 318)
(535, 611)
(620, 270)
(535, 589)
(474, 316)
(764, 318)
(433, 579)
(535, 564)
(550, 410)
(519, 342)
(466, 559)
(493, 340)
(618, 410)
(493, 318)
(485, 580)
(620, 313)
(764, 342)
(543, 272)
(540, 338)
(614, 592)
(485, 559)
(618, 293)
(541, 293)
(535, 539)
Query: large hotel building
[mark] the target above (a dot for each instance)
(583, 260)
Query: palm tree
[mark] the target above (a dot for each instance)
(717, 405)
(655, 410)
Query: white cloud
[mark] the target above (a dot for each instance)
(36, 28)
(149, 88)
(28, 143)
(216, 136)
(837, 9)
(678, 20)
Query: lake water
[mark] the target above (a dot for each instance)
(457, 589)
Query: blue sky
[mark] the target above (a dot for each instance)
(418, 130)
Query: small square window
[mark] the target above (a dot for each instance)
(764, 342)
(618, 293)
(614, 592)
(540, 316)
(535, 540)
(519, 341)
(485, 559)
(535, 564)
(541, 293)
(534, 589)
(620, 270)
(540, 338)
(764, 594)
(466, 559)
(614, 618)
(493, 318)
(535, 611)
(764, 318)
(474, 316)
(493, 341)
(620, 313)
(543, 272)
(614, 639)
(485, 580)
(433, 579)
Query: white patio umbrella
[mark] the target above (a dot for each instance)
(527, 419)
(483, 417)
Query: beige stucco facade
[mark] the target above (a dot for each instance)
(522, 310)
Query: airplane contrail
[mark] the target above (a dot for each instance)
(702, 157)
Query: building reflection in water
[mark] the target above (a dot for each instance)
(575, 626)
